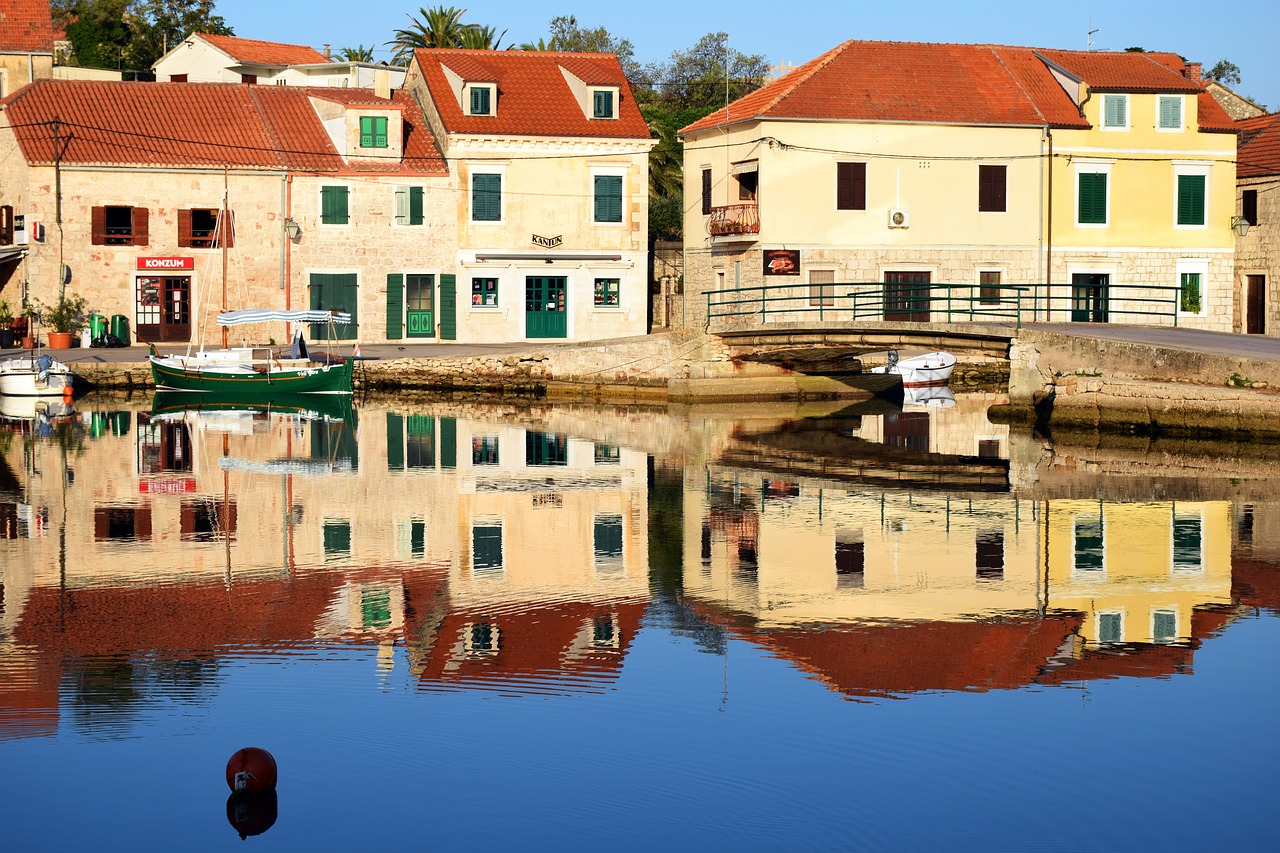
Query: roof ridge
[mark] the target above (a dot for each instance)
(1016, 81)
(819, 62)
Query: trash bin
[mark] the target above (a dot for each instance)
(120, 327)
(97, 326)
(86, 338)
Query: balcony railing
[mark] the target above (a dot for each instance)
(733, 220)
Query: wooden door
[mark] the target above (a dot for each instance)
(334, 292)
(1255, 304)
(906, 296)
(163, 309)
(420, 305)
(544, 307)
(1089, 297)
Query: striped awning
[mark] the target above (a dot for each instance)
(266, 315)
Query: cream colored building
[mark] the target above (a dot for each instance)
(206, 58)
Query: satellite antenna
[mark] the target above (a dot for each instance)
(1092, 30)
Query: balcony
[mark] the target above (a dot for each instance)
(735, 221)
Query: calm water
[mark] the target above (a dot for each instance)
(494, 627)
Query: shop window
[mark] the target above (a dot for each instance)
(484, 292)
(606, 292)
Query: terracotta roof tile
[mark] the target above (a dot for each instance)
(25, 26)
(955, 84)
(254, 52)
(534, 98)
(206, 125)
(1259, 151)
(1211, 116)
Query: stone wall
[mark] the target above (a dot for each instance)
(1258, 253)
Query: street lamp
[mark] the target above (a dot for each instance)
(293, 230)
(1240, 225)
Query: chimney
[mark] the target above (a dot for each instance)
(327, 55)
(382, 83)
(1192, 71)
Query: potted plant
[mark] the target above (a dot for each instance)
(30, 316)
(6, 325)
(64, 318)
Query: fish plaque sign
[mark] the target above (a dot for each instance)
(782, 262)
(547, 242)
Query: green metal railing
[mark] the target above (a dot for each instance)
(944, 303)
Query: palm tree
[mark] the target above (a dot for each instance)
(359, 53)
(541, 45)
(438, 26)
(477, 37)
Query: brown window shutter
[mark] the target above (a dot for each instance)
(6, 225)
(851, 186)
(141, 236)
(706, 192)
(142, 523)
(184, 228)
(101, 522)
(187, 519)
(98, 226)
(229, 232)
(991, 189)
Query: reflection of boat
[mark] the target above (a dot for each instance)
(336, 407)
(35, 376)
(931, 368)
(256, 370)
(929, 396)
(34, 408)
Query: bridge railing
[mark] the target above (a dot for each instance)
(922, 302)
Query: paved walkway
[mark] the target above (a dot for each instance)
(1255, 347)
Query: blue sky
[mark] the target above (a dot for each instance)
(798, 30)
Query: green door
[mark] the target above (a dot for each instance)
(1089, 297)
(544, 307)
(419, 300)
(334, 292)
(448, 307)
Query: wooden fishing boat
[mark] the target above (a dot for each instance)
(931, 368)
(35, 376)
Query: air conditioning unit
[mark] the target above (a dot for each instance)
(899, 218)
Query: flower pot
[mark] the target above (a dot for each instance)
(59, 340)
(29, 342)
(7, 339)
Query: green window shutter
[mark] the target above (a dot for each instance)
(1114, 111)
(395, 442)
(608, 198)
(486, 198)
(1191, 199)
(402, 205)
(1170, 113)
(333, 205)
(448, 307)
(1093, 198)
(603, 105)
(395, 306)
(448, 441)
(380, 132)
(415, 206)
(480, 101)
(366, 131)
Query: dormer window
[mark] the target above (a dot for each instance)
(603, 103)
(480, 100)
(373, 131)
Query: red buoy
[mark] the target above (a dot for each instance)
(251, 770)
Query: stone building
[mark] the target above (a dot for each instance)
(26, 43)
(208, 58)
(333, 195)
(1258, 217)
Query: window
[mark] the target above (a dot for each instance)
(486, 548)
(604, 632)
(334, 205)
(1092, 206)
(991, 188)
(375, 607)
(608, 454)
(1188, 542)
(6, 225)
(1170, 112)
(607, 540)
(373, 131)
(121, 522)
(482, 639)
(822, 291)
(249, 79)
(119, 226)
(1249, 206)
(608, 198)
(481, 100)
(337, 540)
(602, 103)
(409, 206)
(484, 450)
(177, 78)
(1115, 112)
(989, 555)
(989, 287)
(1089, 553)
(1164, 626)
(706, 192)
(1191, 200)
(484, 292)
(207, 521)
(420, 442)
(486, 197)
(851, 186)
(606, 292)
(1111, 627)
(851, 559)
(1189, 296)
(198, 229)
(988, 448)
(545, 448)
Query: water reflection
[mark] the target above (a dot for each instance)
(523, 551)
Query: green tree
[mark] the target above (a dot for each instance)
(569, 36)
(130, 35)
(359, 53)
(708, 74)
(437, 26)
(1226, 71)
(477, 37)
(167, 23)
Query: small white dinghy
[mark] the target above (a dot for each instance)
(35, 376)
(931, 368)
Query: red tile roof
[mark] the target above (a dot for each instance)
(534, 98)
(1259, 151)
(205, 125)
(25, 26)
(254, 52)
(953, 84)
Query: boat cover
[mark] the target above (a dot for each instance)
(266, 315)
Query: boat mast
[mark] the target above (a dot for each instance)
(222, 244)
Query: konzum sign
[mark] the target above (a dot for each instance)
(154, 264)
